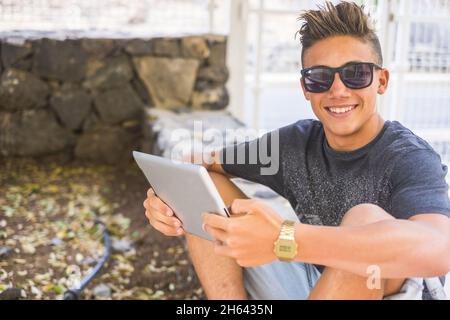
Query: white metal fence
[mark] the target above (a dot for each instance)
(137, 17)
(417, 49)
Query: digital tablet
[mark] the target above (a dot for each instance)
(186, 188)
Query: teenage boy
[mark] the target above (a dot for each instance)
(371, 198)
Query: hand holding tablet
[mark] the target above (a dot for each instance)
(161, 216)
(185, 188)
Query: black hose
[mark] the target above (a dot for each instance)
(74, 293)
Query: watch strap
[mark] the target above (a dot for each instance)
(287, 231)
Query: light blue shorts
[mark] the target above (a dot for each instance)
(281, 280)
(294, 281)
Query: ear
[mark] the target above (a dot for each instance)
(305, 93)
(383, 81)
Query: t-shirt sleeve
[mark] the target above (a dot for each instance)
(419, 185)
(257, 160)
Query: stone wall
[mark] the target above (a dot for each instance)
(87, 97)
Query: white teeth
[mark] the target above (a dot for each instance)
(342, 110)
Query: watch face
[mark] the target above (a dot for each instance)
(285, 249)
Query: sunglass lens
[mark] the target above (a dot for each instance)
(318, 79)
(357, 76)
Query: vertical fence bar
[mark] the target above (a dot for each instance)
(211, 9)
(236, 56)
(401, 60)
(258, 67)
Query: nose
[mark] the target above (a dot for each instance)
(338, 88)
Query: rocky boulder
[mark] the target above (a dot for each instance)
(16, 55)
(170, 82)
(72, 105)
(217, 45)
(166, 47)
(99, 48)
(114, 72)
(21, 90)
(210, 77)
(60, 60)
(211, 99)
(139, 47)
(105, 144)
(195, 47)
(23, 133)
(118, 104)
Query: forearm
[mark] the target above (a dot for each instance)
(217, 168)
(212, 163)
(400, 248)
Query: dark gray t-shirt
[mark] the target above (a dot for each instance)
(397, 171)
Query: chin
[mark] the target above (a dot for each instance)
(343, 130)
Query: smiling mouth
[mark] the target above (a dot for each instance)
(341, 110)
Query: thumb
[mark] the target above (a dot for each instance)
(241, 207)
(234, 214)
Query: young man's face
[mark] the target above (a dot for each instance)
(336, 52)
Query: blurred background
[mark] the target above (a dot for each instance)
(244, 59)
(263, 55)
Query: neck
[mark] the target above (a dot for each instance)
(358, 139)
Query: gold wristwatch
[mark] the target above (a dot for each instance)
(285, 247)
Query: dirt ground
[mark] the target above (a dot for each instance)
(49, 238)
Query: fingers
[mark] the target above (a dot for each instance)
(158, 216)
(216, 221)
(217, 234)
(164, 228)
(243, 206)
(156, 203)
(161, 217)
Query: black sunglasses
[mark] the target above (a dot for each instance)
(354, 75)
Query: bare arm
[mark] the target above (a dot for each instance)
(211, 161)
(400, 248)
(419, 247)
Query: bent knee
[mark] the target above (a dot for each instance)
(364, 213)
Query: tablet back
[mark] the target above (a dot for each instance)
(186, 188)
